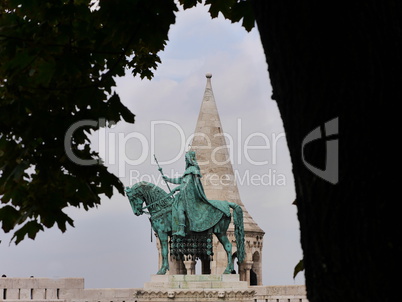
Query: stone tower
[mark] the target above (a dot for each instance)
(220, 184)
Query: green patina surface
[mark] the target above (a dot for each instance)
(188, 217)
(191, 209)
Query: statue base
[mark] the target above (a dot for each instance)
(195, 281)
(167, 288)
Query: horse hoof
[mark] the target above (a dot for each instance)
(162, 271)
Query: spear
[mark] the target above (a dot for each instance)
(160, 170)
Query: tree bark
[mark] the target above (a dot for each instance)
(345, 62)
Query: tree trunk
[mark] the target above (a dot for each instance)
(341, 62)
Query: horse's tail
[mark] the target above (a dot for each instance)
(239, 230)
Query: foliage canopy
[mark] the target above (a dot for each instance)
(58, 60)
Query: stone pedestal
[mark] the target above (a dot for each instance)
(167, 288)
(195, 281)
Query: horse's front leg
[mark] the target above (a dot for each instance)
(224, 240)
(163, 239)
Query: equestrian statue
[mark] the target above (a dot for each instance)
(189, 218)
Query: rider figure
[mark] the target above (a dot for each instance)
(191, 202)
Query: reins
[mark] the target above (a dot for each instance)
(157, 202)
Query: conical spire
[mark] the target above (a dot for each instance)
(213, 157)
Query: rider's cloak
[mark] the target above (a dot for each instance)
(201, 213)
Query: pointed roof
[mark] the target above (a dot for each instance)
(213, 158)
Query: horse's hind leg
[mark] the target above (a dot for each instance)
(163, 239)
(224, 240)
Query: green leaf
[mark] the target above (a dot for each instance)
(298, 268)
(31, 228)
(243, 10)
(20, 61)
(234, 10)
(219, 6)
(189, 3)
(45, 73)
(9, 217)
(62, 219)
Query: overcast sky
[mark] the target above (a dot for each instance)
(109, 246)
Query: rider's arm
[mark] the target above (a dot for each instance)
(173, 180)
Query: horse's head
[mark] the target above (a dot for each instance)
(135, 200)
(148, 193)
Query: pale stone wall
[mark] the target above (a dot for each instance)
(288, 293)
(58, 290)
(39, 288)
(72, 290)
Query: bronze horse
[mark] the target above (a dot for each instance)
(159, 204)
